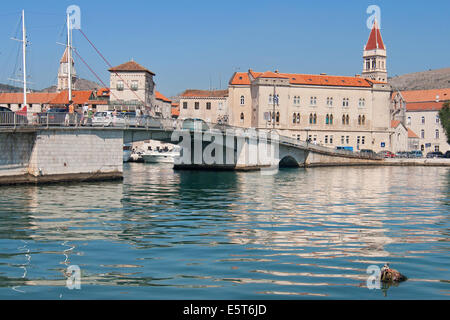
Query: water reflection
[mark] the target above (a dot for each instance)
(300, 233)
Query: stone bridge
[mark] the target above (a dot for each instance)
(37, 154)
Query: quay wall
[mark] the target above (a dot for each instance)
(61, 155)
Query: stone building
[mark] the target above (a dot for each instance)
(163, 106)
(334, 111)
(209, 105)
(419, 111)
(63, 72)
(132, 87)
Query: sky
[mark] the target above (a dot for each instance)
(200, 44)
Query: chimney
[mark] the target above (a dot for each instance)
(357, 76)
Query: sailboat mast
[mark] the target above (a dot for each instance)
(69, 58)
(24, 48)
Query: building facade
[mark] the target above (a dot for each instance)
(419, 111)
(208, 105)
(132, 87)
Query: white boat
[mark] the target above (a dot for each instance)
(127, 152)
(161, 156)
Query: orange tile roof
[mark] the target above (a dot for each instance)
(426, 95)
(411, 134)
(175, 110)
(78, 97)
(395, 123)
(424, 106)
(130, 66)
(375, 40)
(103, 92)
(161, 97)
(190, 93)
(32, 98)
(303, 79)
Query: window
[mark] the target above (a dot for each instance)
(185, 105)
(120, 85)
(343, 119)
(408, 121)
(362, 102)
(296, 100)
(347, 139)
(437, 119)
(242, 100)
(374, 63)
(208, 106)
(423, 120)
(422, 134)
(315, 118)
(342, 139)
(278, 117)
(347, 120)
(359, 120)
(345, 102)
(437, 134)
(331, 139)
(242, 117)
(368, 64)
(327, 119)
(326, 139)
(270, 99)
(220, 105)
(310, 118)
(363, 140)
(436, 148)
(298, 117)
(331, 119)
(313, 101)
(294, 118)
(358, 140)
(329, 101)
(134, 85)
(197, 105)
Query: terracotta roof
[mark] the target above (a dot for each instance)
(161, 97)
(64, 58)
(190, 93)
(78, 97)
(32, 98)
(130, 66)
(303, 79)
(411, 134)
(424, 106)
(375, 40)
(103, 92)
(426, 95)
(175, 110)
(395, 123)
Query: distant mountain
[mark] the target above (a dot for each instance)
(8, 88)
(432, 79)
(79, 84)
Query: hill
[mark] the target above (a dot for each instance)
(8, 88)
(432, 79)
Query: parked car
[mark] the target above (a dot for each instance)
(447, 154)
(106, 119)
(149, 121)
(195, 125)
(401, 154)
(415, 154)
(9, 117)
(57, 116)
(386, 154)
(436, 154)
(367, 152)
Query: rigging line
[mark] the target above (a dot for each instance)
(95, 74)
(126, 83)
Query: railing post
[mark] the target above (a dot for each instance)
(15, 120)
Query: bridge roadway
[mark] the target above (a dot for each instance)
(46, 153)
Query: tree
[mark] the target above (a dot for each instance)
(444, 115)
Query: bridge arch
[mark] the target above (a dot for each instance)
(289, 162)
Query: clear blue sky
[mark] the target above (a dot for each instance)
(195, 44)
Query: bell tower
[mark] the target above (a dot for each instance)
(375, 56)
(63, 72)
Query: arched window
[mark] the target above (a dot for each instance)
(331, 119)
(298, 117)
(423, 120)
(242, 117)
(242, 100)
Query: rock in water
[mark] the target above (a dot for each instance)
(391, 275)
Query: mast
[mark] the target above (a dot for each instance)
(69, 58)
(24, 48)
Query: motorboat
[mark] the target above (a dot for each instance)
(161, 156)
(127, 150)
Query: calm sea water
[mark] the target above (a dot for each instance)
(162, 234)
